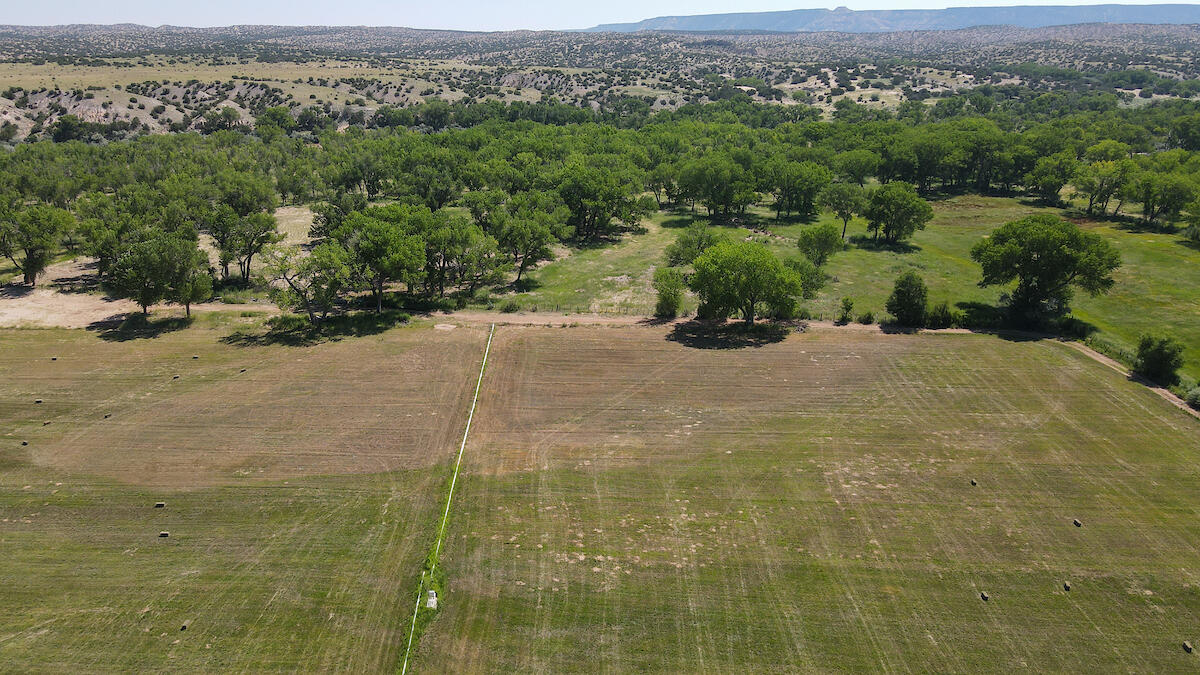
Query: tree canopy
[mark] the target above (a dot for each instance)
(1046, 256)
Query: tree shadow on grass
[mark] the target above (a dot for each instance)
(1188, 243)
(295, 331)
(981, 315)
(713, 335)
(870, 244)
(138, 327)
(679, 219)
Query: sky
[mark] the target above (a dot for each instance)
(452, 14)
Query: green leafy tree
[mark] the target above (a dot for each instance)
(1101, 180)
(159, 267)
(596, 196)
(908, 299)
(275, 120)
(381, 252)
(857, 165)
(251, 235)
(1050, 174)
(796, 185)
(1162, 195)
(1046, 256)
(527, 239)
(485, 205)
(845, 201)
(741, 277)
(690, 243)
(29, 236)
(312, 283)
(896, 211)
(191, 281)
(819, 242)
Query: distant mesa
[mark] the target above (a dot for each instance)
(848, 20)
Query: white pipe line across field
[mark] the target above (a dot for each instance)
(437, 549)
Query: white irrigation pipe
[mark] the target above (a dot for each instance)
(437, 549)
(413, 629)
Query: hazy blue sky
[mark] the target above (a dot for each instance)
(457, 14)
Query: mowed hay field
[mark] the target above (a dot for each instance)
(299, 495)
(634, 502)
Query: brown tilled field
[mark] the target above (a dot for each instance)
(650, 501)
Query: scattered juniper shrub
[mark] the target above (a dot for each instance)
(907, 301)
(669, 283)
(510, 306)
(1193, 397)
(942, 316)
(1158, 357)
(847, 310)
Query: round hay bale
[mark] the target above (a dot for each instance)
(973, 482)
(37, 400)
(1067, 586)
(164, 534)
(160, 505)
(984, 596)
(1187, 646)
(107, 415)
(174, 377)
(195, 356)
(1077, 523)
(24, 442)
(242, 370)
(53, 358)
(45, 422)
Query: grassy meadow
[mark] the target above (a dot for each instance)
(300, 485)
(1157, 287)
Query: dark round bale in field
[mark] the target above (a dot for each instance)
(1187, 646)
(973, 482)
(160, 505)
(175, 377)
(37, 400)
(107, 415)
(984, 596)
(164, 534)
(242, 370)
(53, 358)
(24, 442)
(195, 356)
(1067, 586)
(1077, 523)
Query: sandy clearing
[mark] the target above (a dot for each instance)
(64, 298)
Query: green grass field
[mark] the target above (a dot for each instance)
(632, 498)
(299, 496)
(1156, 287)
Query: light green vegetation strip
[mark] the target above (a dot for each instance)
(437, 547)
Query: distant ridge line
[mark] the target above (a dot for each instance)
(894, 20)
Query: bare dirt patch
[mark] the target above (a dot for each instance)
(66, 297)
